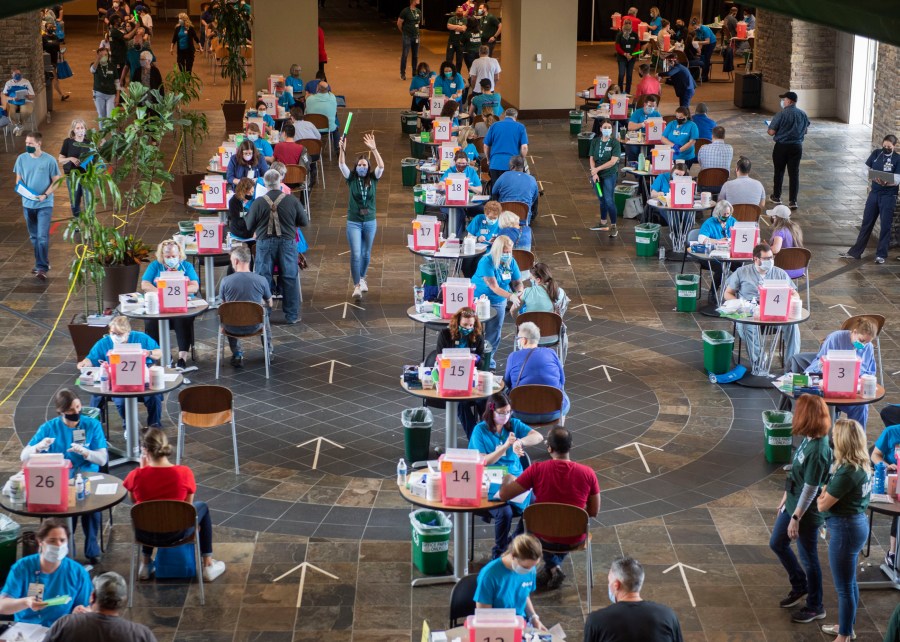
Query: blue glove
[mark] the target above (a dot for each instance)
(477, 359)
(676, 148)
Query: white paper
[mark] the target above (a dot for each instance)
(106, 489)
(196, 303)
(95, 477)
(170, 376)
(25, 632)
(425, 317)
(22, 190)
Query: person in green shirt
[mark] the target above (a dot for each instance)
(843, 502)
(604, 158)
(408, 24)
(798, 517)
(490, 26)
(456, 25)
(471, 42)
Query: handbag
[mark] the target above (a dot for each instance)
(63, 70)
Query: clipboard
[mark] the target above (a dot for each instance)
(887, 177)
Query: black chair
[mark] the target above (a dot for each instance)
(462, 600)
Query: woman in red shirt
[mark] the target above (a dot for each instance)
(158, 478)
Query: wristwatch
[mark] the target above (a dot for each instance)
(795, 517)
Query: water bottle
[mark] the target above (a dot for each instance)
(104, 378)
(640, 163)
(401, 472)
(79, 487)
(880, 478)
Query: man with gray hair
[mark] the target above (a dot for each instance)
(630, 619)
(100, 622)
(505, 138)
(244, 285)
(274, 219)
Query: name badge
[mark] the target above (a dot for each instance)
(453, 85)
(36, 589)
(78, 436)
(485, 231)
(506, 276)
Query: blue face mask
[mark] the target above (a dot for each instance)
(612, 596)
(172, 262)
(859, 345)
(362, 170)
(448, 74)
(465, 331)
(504, 258)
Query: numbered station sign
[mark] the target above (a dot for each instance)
(210, 232)
(458, 293)
(840, 373)
(214, 192)
(744, 237)
(457, 189)
(775, 300)
(455, 372)
(426, 233)
(461, 473)
(126, 368)
(663, 159)
(448, 154)
(173, 294)
(442, 130)
(47, 483)
(601, 86)
(616, 21)
(226, 151)
(505, 626)
(274, 79)
(618, 106)
(437, 105)
(681, 193)
(260, 122)
(653, 129)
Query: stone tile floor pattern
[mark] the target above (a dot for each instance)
(708, 501)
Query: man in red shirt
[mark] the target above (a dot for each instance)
(558, 480)
(633, 17)
(287, 151)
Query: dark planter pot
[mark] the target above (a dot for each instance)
(119, 279)
(84, 336)
(184, 185)
(234, 116)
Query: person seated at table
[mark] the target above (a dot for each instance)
(50, 573)
(262, 145)
(465, 331)
(420, 82)
(499, 279)
(785, 234)
(649, 83)
(743, 190)
(461, 166)
(886, 449)
(451, 83)
(246, 162)
(531, 364)
(485, 227)
(488, 119)
(464, 138)
(716, 230)
(502, 439)
(293, 81)
(170, 257)
(636, 122)
(283, 97)
(159, 479)
(660, 185)
(288, 151)
(451, 110)
(509, 225)
(682, 135)
(79, 439)
(120, 332)
(262, 111)
(679, 76)
(324, 103)
(744, 284)
(517, 185)
(545, 295)
(704, 123)
(238, 206)
(487, 98)
(509, 580)
(244, 285)
(717, 155)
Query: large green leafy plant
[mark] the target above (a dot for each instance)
(233, 32)
(194, 126)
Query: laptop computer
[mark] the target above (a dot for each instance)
(887, 177)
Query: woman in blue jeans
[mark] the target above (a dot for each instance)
(361, 225)
(798, 517)
(604, 158)
(844, 502)
(498, 278)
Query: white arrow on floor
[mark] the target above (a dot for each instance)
(337, 305)
(303, 567)
(587, 312)
(687, 586)
(606, 370)
(318, 441)
(640, 452)
(842, 307)
(567, 253)
(553, 216)
(343, 253)
(331, 370)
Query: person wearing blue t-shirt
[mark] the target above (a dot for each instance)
(682, 135)
(284, 98)
(703, 36)
(262, 111)
(264, 146)
(655, 22)
(34, 579)
(505, 138)
(886, 449)
(517, 186)
(451, 83)
(660, 187)
(80, 440)
(509, 581)
(502, 440)
(636, 122)
(420, 81)
(701, 119)
(120, 332)
(716, 230)
(461, 166)
(484, 227)
(294, 82)
(37, 171)
(498, 278)
(487, 98)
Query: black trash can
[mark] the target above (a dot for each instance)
(417, 424)
(747, 89)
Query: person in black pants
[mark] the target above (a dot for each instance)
(465, 331)
(185, 37)
(627, 50)
(788, 128)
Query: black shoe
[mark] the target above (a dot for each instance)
(402, 76)
(556, 579)
(889, 560)
(237, 361)
(180, 363)
(775, 199)
(94, 560)
(847, 255)
(792, 205)
(793, 599)
(807, 614)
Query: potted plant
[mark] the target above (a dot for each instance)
(190, 133)
(232, 28)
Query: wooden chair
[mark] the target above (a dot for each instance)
(165, 517)
(698, 145)
(237, 313)
(462, 600)
(517, 208)
(313, 147)
(536, 399)
(878, 320)
(206, 407)
(320, 121)
(549, 323)
(559, 521)
(711, 179)
(524, 259)
(746, 213)
(479, 144)
(796, 258)
(295, 177)
(640, 100)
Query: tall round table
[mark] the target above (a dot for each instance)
(209, 273)
(767, 354)
(454, 211)
(893, 574)
(455, 260)
(165, 343)
(858, 400)
(681, 222)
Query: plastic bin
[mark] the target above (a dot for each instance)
(576, 119)
(717, 347)
(9, 537)
(429, 274)
(409, 122)
(584, 144)
(687, 288)
(417, 149)
(417, 424)
(410, 171)
(430, 540)
(646, 238)
(621, 196)
(777, 428)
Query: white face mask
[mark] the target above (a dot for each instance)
(611, 593)
(765, 265)
(118, 338)
(54, 554)
(520, 570)
(254, 138)
(248, 157)
(782, 104)
(606, 132)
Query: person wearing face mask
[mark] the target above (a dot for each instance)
(682, 135)
(293, 82)
(17, 95)
(285, 99)
(630, 618)
(38, 171)
(545, 295)
(491, 26)
(450, 82)
(170, 257)
(324, 102)
(510, 226)
(238, 206)
(262, 111)
(681, 80)
(744, 284)
(48, 574)
(139, 45)
(246, 162)
(880, 203)
(785, 234)
(185, 37)
(361, 223)
(263, 146)
(655, 22)
(120, 332)
(80, 440)
(788, 129)
(704, 37)
(628, 48)
(408, 24)
(461, 166)
(148, 74)
(73, 151)
(636, 122)
(498, 278)
(716, 230)
(604, 157)
(456, 25)
(465, 331)
(104, 83)
(502, 439)
(660, 185)
(508, 581)
(120, 32)
(530, 364)
(420, 82)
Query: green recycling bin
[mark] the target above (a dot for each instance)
(409, 122)
(9, 537)
(621, 196)
(419, 199)
(409, 170)
(646, 238)
(186, 227)
(687, 289)
(429, 274)
(717, 347)
(576, 119)
(777, 428)
(430, 540)
(584, 144)
(417, 424)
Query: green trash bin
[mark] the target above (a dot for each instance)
(417, 424)
(429, 274)
(409, 122)
(584, 144)
(576, 119)
(717, 347)
(9, 537)
(687, 288)
(409, 169)
(419, 199)
(777, 427)
(430, 540)
(621, 196)
(417, 149)
(646, 238)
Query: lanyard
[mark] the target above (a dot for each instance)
(363, 191)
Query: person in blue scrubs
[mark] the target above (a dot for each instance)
(716, 230)
(682, 134)
(451, 83)
(704, 36)
(461, 166)
(502, 439)
(509, 581)
(660, 184)
(80, 440)
(887, 448)
(420, 81)
(264, 146)
(485, 227)
(636, 122)
(284, 98)
(34, 579)
(499, 279)
(294, 82)
(262, 111)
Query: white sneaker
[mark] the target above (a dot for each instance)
(833, 629)
(357, 293)
(145, 571)
(213, 571)
(363, 286)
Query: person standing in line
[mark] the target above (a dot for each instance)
(185, 37)
(36, 172)
(880, 203)
(323, 55)
(604, 159)
(788, 128)
(71, 155)
(104, 83)
(408, 24)
(627, 52)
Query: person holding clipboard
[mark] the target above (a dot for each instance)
(884, 165)
(36, 174)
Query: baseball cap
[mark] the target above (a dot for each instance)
(781, 211)
(789, 95)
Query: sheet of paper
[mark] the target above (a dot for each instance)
(196, 303)
(106, 489)
(170, 377)
(424, 317)
(22, 190)
(95, 477)
(26, 632)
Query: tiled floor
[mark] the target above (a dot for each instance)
(708, 500)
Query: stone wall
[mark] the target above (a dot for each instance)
(886, 112)
(20, 46)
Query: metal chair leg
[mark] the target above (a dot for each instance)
(179, 446)
(266, 348)
(131, 576)
(218, 351)
(237, 468)
(199, 562)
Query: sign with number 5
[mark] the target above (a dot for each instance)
(744, 237)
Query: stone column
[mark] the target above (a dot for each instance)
(284, 33)
(886, 110)
(20, 47)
